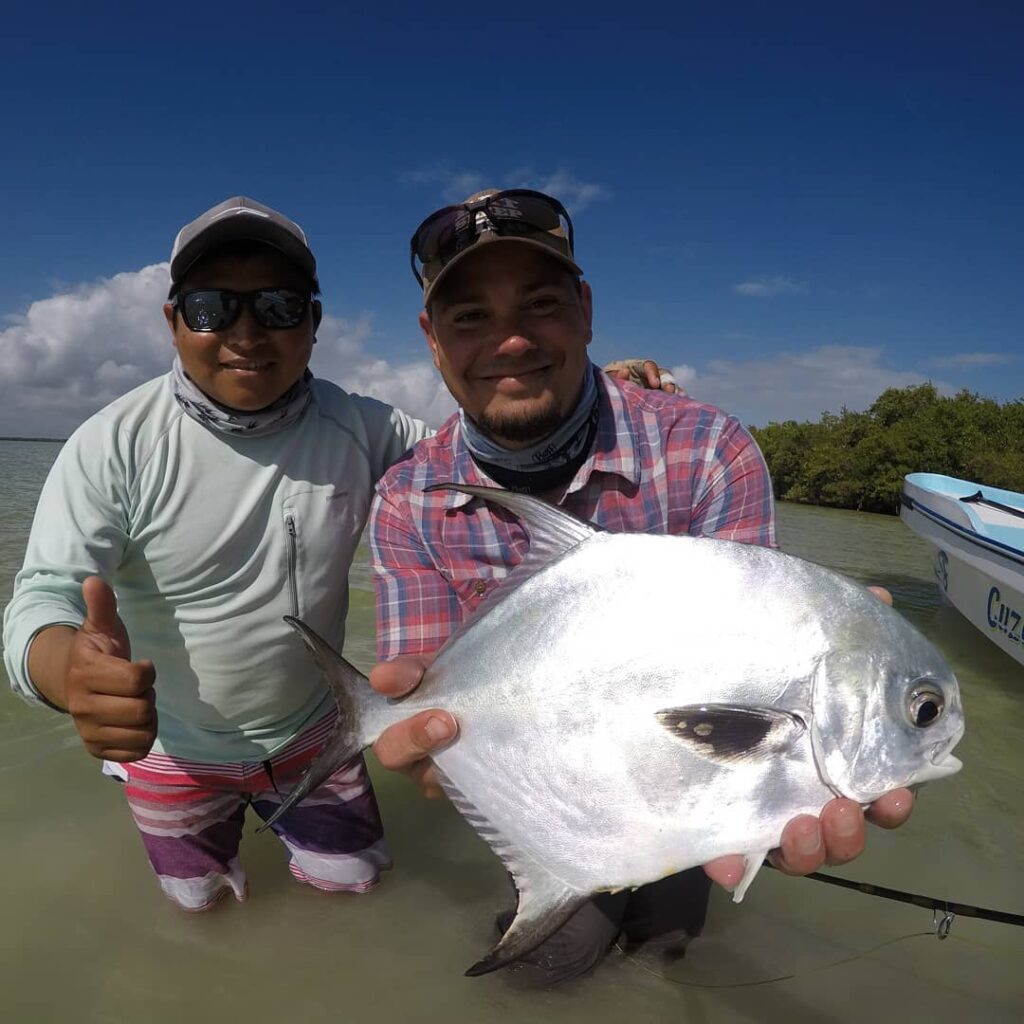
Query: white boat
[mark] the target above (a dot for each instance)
(977, 535)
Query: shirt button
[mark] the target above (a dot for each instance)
(479, 587)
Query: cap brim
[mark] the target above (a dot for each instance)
(490, 238)
(238, 228)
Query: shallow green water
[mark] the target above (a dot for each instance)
(86, 936)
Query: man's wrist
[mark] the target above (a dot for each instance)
(46, 664)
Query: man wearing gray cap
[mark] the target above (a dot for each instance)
(508, 321)
(214, 500)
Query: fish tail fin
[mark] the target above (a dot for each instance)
(355, 701)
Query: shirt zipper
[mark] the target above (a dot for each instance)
(293, 583)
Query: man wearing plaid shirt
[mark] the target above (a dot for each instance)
(508, 321)
(658, 464)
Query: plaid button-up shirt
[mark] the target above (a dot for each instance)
(660, 464)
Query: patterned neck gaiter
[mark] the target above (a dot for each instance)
(203, 409)
(547, 464)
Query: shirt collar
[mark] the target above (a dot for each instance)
(615, 447)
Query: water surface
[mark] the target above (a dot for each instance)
(85, 934)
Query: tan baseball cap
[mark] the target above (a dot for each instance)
(235, 219)
(517, 215)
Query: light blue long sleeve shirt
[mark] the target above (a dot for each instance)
(208, 541)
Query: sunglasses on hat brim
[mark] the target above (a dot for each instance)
(512, 213)
(215, 309)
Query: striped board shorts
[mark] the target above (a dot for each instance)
(190, 815)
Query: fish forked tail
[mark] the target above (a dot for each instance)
(354, 700)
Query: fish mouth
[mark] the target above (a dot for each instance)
(942, 760)
(938, 767)
(946, 765)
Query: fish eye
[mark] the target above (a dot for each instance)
(925, 705)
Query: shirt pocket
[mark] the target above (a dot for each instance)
(319, 544)
(291, 541)
(475, 551)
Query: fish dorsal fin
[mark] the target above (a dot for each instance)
(553, 532)
(545, 902)
(730, 734)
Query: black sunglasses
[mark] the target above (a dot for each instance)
(514, 212)
(214, 309)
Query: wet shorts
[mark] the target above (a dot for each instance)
(660, 919)
(190, 815)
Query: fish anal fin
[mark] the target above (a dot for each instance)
(730, 734)
(515, 861)
(545, 902)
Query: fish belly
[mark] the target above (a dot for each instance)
(557, 688)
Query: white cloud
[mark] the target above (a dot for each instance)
(796, 385)
(414, 386)
(459, 186)
(969, 360)
(762, 287)
(72, 353)
(574, 194)
(456, 185)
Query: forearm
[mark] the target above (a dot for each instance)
(79, 528)
(48, 657)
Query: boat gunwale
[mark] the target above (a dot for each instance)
(971, 535)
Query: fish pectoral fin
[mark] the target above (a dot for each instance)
(545, 904)
(751, 865)
(731, 734)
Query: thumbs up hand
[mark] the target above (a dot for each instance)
(109, 696)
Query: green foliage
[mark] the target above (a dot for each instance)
(858, 459)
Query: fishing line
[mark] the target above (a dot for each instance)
(782, 977)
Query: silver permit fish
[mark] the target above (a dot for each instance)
(764, 686)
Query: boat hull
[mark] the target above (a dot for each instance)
(981, 577)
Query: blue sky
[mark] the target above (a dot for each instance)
(794, 206)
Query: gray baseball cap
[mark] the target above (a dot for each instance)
(235, 219)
